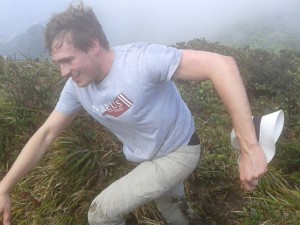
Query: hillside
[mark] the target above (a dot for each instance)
(272, 32)
(27, 45)
(86, 158)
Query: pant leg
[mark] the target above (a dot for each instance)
(169, 205)
(174, 207)
(148, 181)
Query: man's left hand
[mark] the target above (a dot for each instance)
(252, 166)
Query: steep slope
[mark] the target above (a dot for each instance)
(27, 45)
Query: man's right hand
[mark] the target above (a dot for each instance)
(31, 154)
(5, 207)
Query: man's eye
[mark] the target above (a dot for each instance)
(65, 61)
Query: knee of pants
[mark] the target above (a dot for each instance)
(96, 216)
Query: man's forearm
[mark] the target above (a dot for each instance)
(232, 92)
(33, 152)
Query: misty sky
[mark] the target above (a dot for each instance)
(159, 21)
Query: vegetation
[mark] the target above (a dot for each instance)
(86, 158)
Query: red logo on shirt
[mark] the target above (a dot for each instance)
(116, 108)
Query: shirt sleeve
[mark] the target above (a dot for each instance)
(162, 61)
(68, 102)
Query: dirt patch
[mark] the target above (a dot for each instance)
(218, 204)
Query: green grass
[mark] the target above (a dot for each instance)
(86, 158)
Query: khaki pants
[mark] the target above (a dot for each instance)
(160, 179)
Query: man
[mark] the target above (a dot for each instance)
(130, 90)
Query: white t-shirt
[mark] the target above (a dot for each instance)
(137, 101)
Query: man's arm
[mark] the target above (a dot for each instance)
(225, 76)
(32, 153)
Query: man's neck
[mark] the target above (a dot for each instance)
(105, 61)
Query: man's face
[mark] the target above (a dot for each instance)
(79, 65)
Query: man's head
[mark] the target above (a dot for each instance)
(79, 25)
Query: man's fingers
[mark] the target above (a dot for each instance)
(249, 185)
(6, 217)
(245, 186)
(253, 183)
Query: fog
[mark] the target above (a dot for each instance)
(159, 21)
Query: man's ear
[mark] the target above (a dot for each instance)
(95, 47)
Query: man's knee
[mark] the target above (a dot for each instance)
(97, 216)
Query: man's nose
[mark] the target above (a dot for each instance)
(65, 70)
